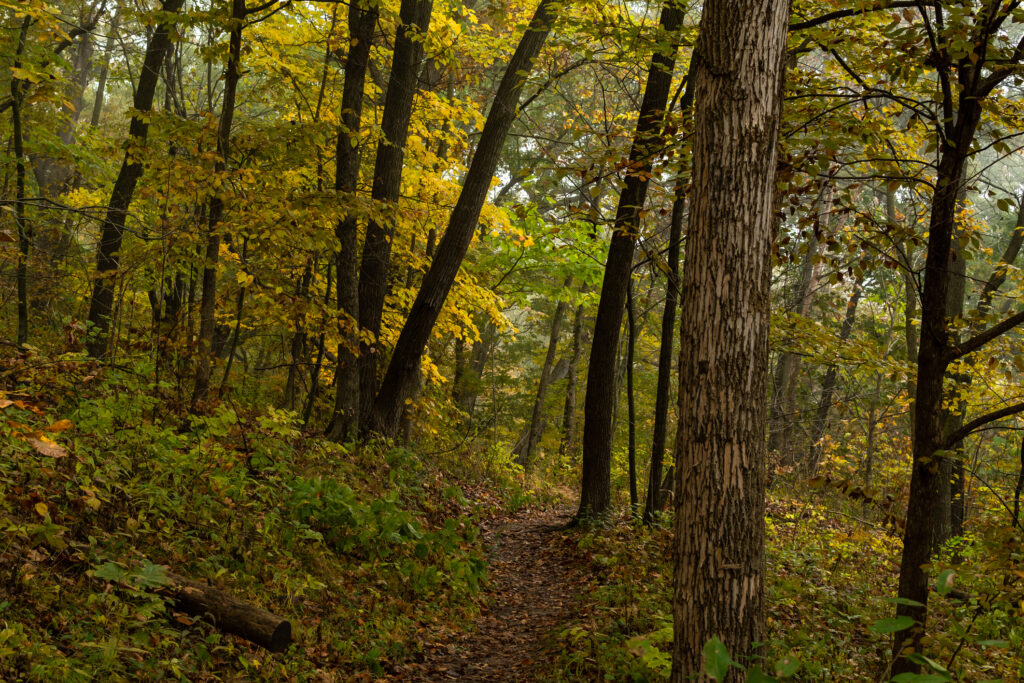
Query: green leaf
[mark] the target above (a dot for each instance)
(716, 659)
(904, 601)
(892, 625)
(920, 678)
(109, 571)
(944, 583)
(787, 666)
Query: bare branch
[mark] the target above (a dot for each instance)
(982, 338)
(978, 422)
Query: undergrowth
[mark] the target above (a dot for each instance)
(830, 581)
(103, 489)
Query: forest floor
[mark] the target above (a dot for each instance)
(534, 579)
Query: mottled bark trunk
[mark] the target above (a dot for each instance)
(414, 21)
(599, 402)
(344, 423)
(724, 304)
(107, 253)
(655, 501)
(208, 302)
(400, 380)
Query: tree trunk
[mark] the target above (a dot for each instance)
(400, 380)
(101, 83)
(828, 384)
(783, 407)
(568, 441)
(932, 361)
(107, 253)
(724, 304)
(595, 494)
(655, 501)
(529, 451)
(24, 231)
(208, 303)
(348, 152)
(951, 466)
(230, 614)
(414, 21)
(634, 501)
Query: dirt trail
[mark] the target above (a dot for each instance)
(533, 571)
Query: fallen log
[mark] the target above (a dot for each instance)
(230, 614)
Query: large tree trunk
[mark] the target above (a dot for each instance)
(345, 420)
(528, 453)
(595, 493)
(414, 21)
(107, 253)
(724, 304)
(655, 501)
(208, 303)
(400, 380)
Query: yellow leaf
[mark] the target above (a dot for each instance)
(60, 426)
(48, 448)
(42, 509)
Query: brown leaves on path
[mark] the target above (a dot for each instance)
(534, 574)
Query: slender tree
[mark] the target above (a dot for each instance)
(655, 500)
(595, 495)
(215, 213)
(400, 379)
(348, 156)
(414, 21)
(108, 259)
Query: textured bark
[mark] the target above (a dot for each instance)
(655, 501)
(595, 489)
(724, 304)
(569, 409)
(208, 302)
(107, 253)
(348, 156)
(828, 384)
(536, 428)
(414, 21)
(400, 380)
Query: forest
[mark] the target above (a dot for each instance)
(511, 340)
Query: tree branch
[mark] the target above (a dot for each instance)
(977, 341)
(844, 13)
(965, 431)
